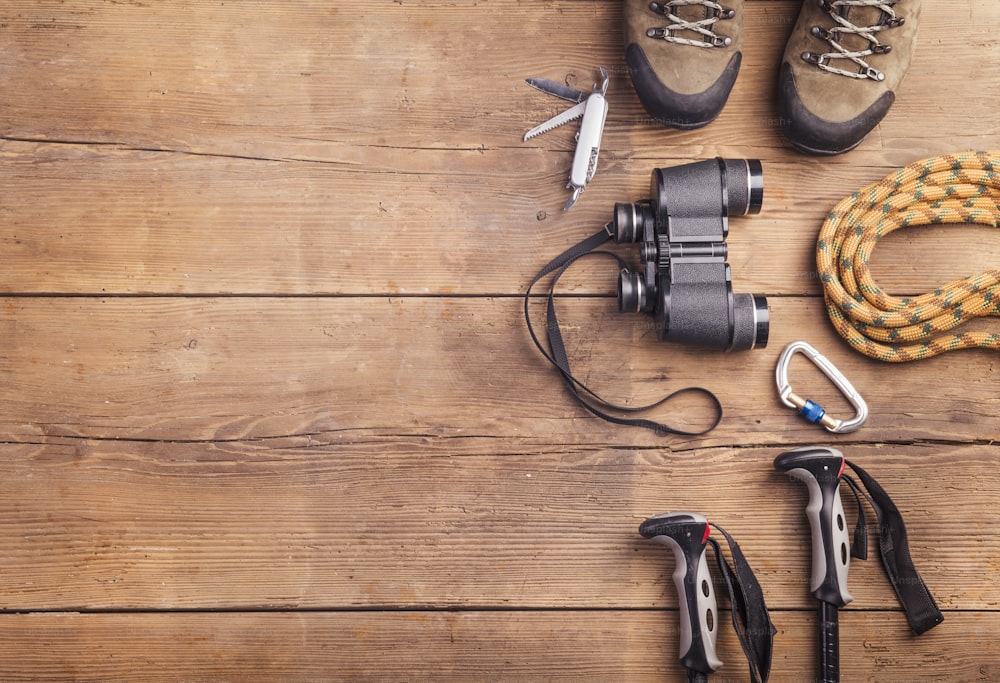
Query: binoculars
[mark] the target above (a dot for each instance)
(684, 281)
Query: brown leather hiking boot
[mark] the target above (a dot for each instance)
(683, 57)
(842, 65)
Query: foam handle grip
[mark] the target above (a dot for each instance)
(820, 469)
(686, 535)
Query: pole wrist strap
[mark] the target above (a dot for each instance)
(918, 604)
(751, 620)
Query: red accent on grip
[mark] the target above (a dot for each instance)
(708, 530)
(843, 464)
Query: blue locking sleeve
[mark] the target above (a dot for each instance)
(813, 412)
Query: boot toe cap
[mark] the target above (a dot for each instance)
(810, 132)
(675, 109)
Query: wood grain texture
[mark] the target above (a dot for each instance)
(299, 523)
(199, 368)
(203, 224)
(469, 645)
(268, 406)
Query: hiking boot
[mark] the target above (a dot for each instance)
(842, 65)
(683, 57)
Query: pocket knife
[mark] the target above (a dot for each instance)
(593, 107)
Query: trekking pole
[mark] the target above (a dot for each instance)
(820, 468)
(686, 533)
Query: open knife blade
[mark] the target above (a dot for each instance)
(557, 120)
(557, 89)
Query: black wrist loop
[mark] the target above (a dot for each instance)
(751, 620)
(921, 611)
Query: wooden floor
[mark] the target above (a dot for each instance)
(268, 407)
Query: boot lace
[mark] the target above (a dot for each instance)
(701, 27)
(839, 11)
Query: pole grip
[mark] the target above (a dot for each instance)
(686, 534)
(829, 643)
(820, 468)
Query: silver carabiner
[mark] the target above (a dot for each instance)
(813, 412)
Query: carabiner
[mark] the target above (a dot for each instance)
(814, 412)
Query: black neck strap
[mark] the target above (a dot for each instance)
(556, 353)
(751, 619)
(918, 604)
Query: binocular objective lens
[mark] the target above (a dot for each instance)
(744, 184)
(755, 184)
(751, 322)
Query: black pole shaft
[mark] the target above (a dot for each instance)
(697, 676)
(829, 643)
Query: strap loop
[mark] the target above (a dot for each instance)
(751, 619)
(918, 604)
(556, 355)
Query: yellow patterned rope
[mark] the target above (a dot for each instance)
(948, 189)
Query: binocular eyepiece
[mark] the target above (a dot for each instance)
(685, 282)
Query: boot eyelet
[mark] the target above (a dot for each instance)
(824, 33)
(812, 58)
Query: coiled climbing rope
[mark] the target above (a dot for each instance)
(949, 189)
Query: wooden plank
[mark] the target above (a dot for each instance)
(303, 524)
(250, 79)
(462, 646)
(352, 369)
(92, 219)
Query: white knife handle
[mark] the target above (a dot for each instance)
(588, 143)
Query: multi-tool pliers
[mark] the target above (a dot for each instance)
(594, 109)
